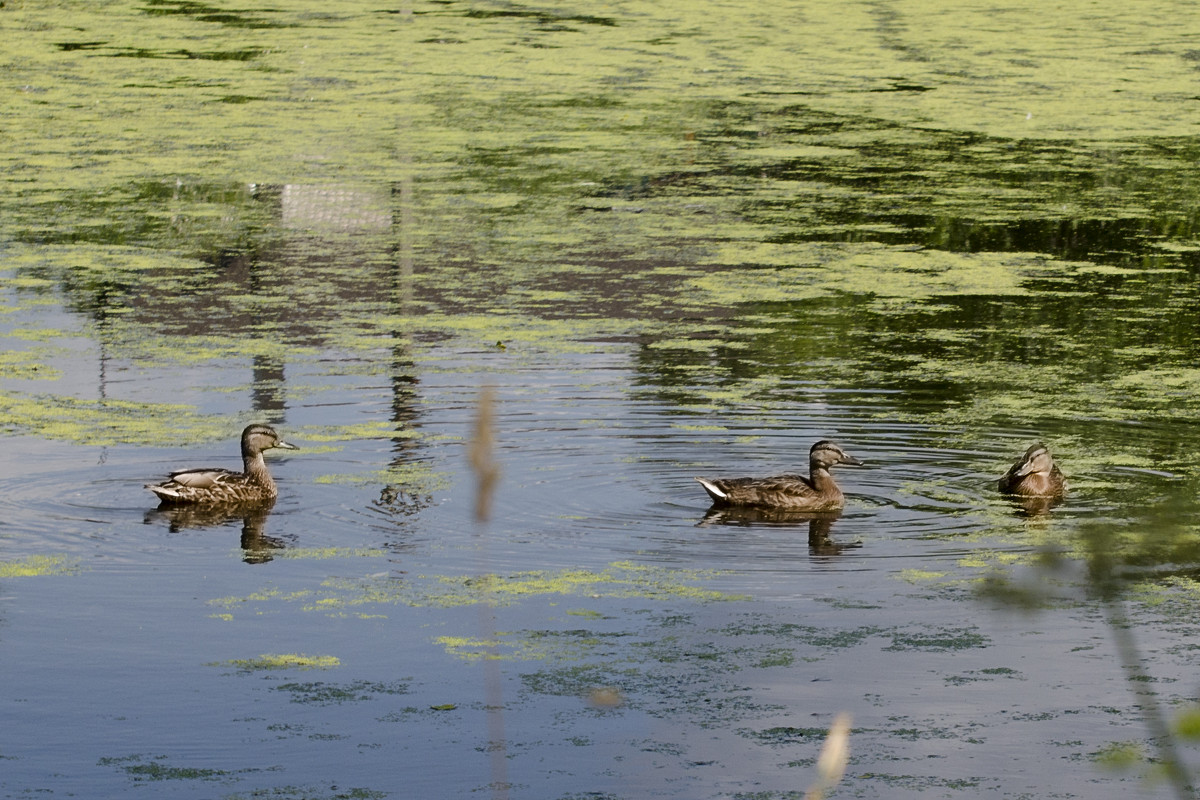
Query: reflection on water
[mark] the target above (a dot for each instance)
(344, 209)
(1035, 506)
(819, 524)
(257, 546)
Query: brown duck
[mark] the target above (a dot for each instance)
(817, 492)
(215, 486)
(1034, 475)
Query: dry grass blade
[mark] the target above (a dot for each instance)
(835, 754)
(483, 440)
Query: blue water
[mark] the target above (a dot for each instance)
(120, 672)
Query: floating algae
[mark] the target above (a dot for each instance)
(282, 661)
(39, 565)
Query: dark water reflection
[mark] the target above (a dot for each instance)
(1036, 506)
(257, 546)
(819, 525)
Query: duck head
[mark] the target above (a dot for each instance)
(825, 454)
(1036, 460)
(256, 438)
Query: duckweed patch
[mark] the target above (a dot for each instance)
(533, 645)
(975, 676)
(706, 696)
(673, 667)
(267, 595)
(327, 553)
(579, 680)
(378, 429)
(921, 576)
(786, 736)
(319, 693)
(104, 422)
(342, 595)
(282, 661)
(924, 783)
(992, 559)
(585, 613)
(659, 650)
(776, 657)
(824, 638)
(40, 565)
(337, 596)
(621, 579)
(27, 365)
(949, 639)
(1178, 595)
(144, 769)
(890, 275)
(310, 793)
(416, 478)
(822, 203)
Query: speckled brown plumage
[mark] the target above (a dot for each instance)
(816, 492)
(1034, 475)
(222, 486)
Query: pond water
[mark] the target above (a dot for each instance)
(665, 240)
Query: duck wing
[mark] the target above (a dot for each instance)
(774, 491)
(1023, 478)
(1034, 484)
(205, 478)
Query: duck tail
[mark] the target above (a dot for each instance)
(713, 490)
(162, 491)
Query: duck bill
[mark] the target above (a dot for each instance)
(1036, 459)
(1032, 466)
(849, 459)
(285, 445)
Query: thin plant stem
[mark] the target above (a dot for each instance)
(487, 474)
(1160, 734)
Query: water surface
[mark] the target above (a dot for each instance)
(673, 242)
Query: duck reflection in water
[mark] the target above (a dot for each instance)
(1034, 482)
(820, 524)
(257, 547)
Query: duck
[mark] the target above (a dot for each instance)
(213, 486)
(817, 492)
(1034, 475)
